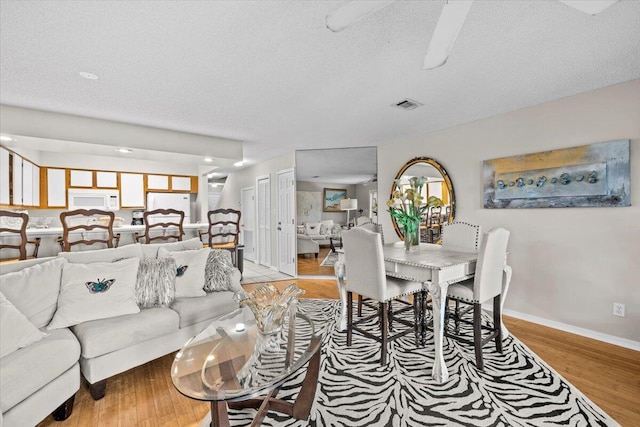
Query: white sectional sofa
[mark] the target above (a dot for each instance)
(43, 377)
(316, 234)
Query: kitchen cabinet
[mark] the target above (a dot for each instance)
(106, 179)
(35, 180)
(80, 178)
(158, 182)
(17, 180)
(56, 188)
(180, 183)
(131, 190)
(4, 177)
(27, 183)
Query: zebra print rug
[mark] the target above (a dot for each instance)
(515, 389)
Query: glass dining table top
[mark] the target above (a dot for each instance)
(231, 361)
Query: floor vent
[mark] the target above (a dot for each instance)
(407, 104)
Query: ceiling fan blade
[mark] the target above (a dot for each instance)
(353, 11)
(592, 7)
(447, 29)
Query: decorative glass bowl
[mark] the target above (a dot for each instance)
(269, 305)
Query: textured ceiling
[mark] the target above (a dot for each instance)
(269, 73)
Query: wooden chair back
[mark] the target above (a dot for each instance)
(224, 230)
(80, 220)
(169, 225)
(9, 235)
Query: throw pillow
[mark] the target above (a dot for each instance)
(156, 282)
(96, 291)
(217, 274)
(190, 266)
(103, 255)
(15, 329)
(34, 290)
(312, 228)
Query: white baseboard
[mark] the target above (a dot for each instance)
(611, 339)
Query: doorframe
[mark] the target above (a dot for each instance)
(268, 223)
(293, 201)
(250, 257)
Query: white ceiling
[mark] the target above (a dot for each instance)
(270, 74)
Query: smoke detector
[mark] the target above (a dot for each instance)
(407, 104)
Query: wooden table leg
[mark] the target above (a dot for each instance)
(219, 415)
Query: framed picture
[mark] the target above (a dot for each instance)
(331, 199)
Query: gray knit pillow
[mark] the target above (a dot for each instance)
(217, 273)
(156, 282)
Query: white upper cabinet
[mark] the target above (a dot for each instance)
(56, 188)
(131, 190)
(158, 182)
(36, 185)
(27, 183)
(106, 179)
(79, 178)
(180, 183)
(17, 180)
(4, 177)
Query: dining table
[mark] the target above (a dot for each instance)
(436, 267)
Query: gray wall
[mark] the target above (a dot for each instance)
(569, 264)
(337, 217)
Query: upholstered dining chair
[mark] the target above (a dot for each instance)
(13, 235)
(162, 224)
(366, 276)
(376, 228)
(87, 222)
(461, 235)
(486, 285)
(224, 230)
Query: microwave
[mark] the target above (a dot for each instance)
(106, 200)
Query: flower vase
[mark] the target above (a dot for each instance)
(411, 235)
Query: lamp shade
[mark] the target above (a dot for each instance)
(348, 204)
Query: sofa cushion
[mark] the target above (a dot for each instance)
(156, 282)
(28, 369)
(196, 310)
(312, 229)
(15, 329)
(104, 255)
(104, 336)
(190, 267)
(151, 250)
(326, 227)
(96, 291)
(34, 290)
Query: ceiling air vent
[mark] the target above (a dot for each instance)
(407, 104)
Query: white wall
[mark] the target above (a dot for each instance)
(337, 217)
(247, 178)
(569, 264)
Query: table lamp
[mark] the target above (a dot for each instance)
(348, 205)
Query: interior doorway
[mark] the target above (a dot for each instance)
(263, 184)
(286, 230)
(321, 176)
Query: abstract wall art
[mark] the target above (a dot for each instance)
(331, 199)
(585, 176)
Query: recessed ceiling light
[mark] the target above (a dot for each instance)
(5, 138)
(208, 159)
(124, 150)
(238, 164)
(88, 76)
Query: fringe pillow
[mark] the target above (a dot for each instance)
(156, 282)
(217, 273)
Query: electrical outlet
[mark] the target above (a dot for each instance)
(618, 309)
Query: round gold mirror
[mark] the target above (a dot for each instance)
(437, 185)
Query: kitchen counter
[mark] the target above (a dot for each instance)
(57, 231)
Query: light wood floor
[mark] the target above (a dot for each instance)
(144, 396)
(308, 265)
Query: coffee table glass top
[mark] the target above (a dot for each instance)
(230, 360)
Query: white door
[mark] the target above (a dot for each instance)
(264, 220)
(286, 230)
(248, 222)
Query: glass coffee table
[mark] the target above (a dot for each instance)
(231, 365)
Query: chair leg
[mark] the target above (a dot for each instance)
(349, 317)
(477, 334)
(383, 327)
(497, 323)
(359, 305)
(390, 315)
